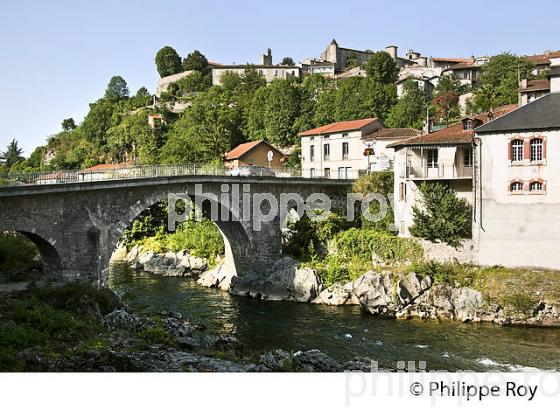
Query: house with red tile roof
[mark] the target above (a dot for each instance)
(254, 153)
(344, 149)
(444, 156)
(102, 172)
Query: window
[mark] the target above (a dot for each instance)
(536, 186)
(341, 172)
(516, 150)
(312, 172)
(345, 135)
(312, 153)
(467, 157)
(432, 157)
(402, 191)
(327, 173)
(516, 186)
(326, 152)
(348, 172)
(537, 149)
(345, 150)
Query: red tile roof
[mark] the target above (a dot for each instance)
(540, 59)
(454, 134)
(393, 133)
(338, 127)
(107, 167)
(242, 149)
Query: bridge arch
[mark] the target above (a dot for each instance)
(237, 243)
(52, 262)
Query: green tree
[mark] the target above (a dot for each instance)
(377, 183)
(196, 61)
(12, 155)
(117, 89)
(194, 82)
(289, 61)
(256, 123)
(441, 216)
(132, 139)
(68, 124)
(351, 61)
(410, 109)
(168, 61)
(312, 87)
(447, 106)
(449, 83)
(382, 68)
(498, 84)
(97, 121)
(142, 98)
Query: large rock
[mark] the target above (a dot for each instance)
(467, 304)
(336, 295)
(121, 319)
(218, 277)
(411, 286)
(166, 264)
(374, 291)
(282, 280)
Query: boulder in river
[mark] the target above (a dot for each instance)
(281, 280)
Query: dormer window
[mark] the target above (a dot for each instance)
(467, 124)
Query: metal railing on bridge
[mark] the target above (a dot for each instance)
(149, 171)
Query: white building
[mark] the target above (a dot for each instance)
(517, 185)
(338, 150)
(444, 156)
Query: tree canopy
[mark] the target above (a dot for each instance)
(410, 109)
(117, 89)
(382, 68)
(168, 62)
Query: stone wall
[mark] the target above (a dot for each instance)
(441, 252)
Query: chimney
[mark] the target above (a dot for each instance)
(554, 75)
(392, 50)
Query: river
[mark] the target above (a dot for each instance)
(342, 332)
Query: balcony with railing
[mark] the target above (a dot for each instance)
(438, 171)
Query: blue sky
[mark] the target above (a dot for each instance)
(57, 56)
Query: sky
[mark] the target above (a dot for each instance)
(58, 56)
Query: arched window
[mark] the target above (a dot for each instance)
(536, 186)
(537, 149)
(516, 186)
(517, 150)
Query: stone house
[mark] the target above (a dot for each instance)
(444, 156)
(517, 185)
(338, 150)
(254, 153)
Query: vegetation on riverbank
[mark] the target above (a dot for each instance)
(19, 258)
(57, 320)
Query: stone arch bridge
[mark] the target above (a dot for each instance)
(76, 226)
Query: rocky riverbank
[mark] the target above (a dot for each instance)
(382, 292)
(101, 333)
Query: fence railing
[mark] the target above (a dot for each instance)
(439, 172)
(151, 171)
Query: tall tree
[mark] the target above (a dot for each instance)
(410, 109)
(117, 89)
(288, 61)
(168, 62)
(498, 83)
(68, 124)
(12, 155)
(196, 61)
(382, 68)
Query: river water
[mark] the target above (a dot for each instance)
(342, 332)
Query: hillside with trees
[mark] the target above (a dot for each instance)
(245, 108)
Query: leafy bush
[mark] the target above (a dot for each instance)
(17, 253)
(156, 336)
(308, 238)
(362, 242)
(379, 183)
(442, 216)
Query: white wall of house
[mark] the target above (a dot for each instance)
(335, 165)
(406, 189)
(523, 228)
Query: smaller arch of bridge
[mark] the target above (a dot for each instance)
(52, 262)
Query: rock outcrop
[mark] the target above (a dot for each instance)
(282, 280)
(166, 264)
